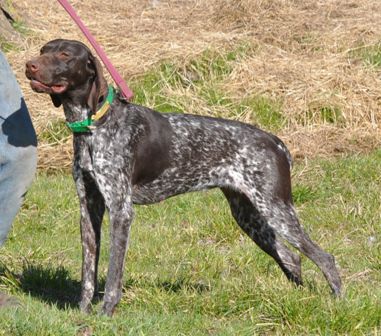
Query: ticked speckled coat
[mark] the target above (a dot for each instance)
(134, 155)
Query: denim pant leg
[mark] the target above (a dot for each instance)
(18, 148)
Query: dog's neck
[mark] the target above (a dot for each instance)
(76, 112)
(75, 104)
(80, 117)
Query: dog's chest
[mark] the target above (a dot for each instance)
(82, 155)
(100, 154)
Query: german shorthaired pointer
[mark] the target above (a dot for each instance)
(126, 154)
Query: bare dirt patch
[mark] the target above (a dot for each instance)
(306, 58)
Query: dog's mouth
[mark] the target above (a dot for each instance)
(44, 88)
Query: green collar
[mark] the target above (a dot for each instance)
(86, 125)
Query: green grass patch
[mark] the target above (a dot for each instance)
(197, 73)
(20, 27)
(149, 90)
(303, 193)
(264, 112)
(191, 271)
(322, 114)
(371, 55)
(331, 115)
(54, 132)
(203, 76)
(6, 46)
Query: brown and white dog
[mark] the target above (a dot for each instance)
(130, 154)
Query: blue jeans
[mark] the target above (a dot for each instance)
(18, 148)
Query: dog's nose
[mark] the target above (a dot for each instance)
(32, 66)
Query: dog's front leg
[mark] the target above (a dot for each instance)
(92, 210)
(121, 215)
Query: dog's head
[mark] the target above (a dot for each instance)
(67, 68)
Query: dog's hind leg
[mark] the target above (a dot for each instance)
(281, 217)
(256, 227)
(269, 190)
(92, 210)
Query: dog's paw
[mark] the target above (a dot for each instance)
(85, 307)
(107, 309)
(337, 291)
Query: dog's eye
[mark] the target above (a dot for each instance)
(63, 55)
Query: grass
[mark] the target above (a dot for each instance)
(305, 64)
(371, 54)
(172, 87)
(191, 271)
(6, 46)
(54, 132)
(19, 26)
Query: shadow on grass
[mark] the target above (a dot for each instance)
(55, 286)
(52, 285)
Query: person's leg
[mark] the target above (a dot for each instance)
(18, 148)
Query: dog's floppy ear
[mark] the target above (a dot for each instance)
(56, 100)
(99, 85)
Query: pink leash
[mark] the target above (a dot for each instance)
(127, 93)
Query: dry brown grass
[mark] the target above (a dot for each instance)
(304, 59)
